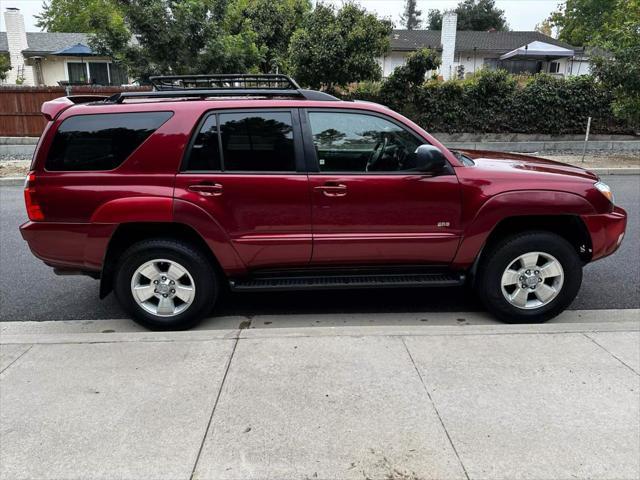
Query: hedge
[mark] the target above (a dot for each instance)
(498, 102)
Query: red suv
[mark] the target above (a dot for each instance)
(250, 183)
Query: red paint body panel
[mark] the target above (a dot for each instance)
(281, 220)
(267, 217)
(135, 209)
(386, 219)
(606, 231)
(69, 245)
(209, 229)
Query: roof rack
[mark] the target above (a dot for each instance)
(239, 81)
(223, 85)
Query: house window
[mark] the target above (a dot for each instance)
(118, 74)
(98, 73)
(77, 72)
(554, 67)
(490, 63)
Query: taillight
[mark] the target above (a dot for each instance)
(31, 199)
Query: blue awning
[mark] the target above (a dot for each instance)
(77, 50)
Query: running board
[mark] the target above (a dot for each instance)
(326, 282)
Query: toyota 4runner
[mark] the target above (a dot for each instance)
(251, 183)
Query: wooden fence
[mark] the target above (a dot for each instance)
(20, 106)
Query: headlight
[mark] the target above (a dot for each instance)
(604, 189)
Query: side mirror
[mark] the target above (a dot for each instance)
(429, 159)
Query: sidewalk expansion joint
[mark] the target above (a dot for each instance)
(435, 408)
(215, 405)
(610, 353)
(16, 359)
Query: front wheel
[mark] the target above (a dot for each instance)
(165, 284)
(529, 278)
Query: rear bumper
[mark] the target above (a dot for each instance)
(607, 231)
(68, 246)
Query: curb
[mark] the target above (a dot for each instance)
(404, 325)
(11, 181)
(616, 171)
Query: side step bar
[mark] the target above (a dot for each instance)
(325, 282)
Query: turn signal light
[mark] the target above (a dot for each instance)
(30, 198)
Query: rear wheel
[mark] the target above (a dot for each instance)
(530, 277)
(165, 284)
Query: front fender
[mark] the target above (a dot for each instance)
(514, 204)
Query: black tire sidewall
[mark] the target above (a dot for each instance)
(198, 266)
(490, 289)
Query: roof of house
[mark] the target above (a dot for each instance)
(46, 42)
(467, 40)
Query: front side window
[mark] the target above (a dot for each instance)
(257, 142)
(100, 142)
(356, 142)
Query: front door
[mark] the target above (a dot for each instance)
(245, 169)
(370, 206)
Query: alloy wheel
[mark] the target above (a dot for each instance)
(163, 287)
(532, 280)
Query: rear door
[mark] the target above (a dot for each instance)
(246, 169)
(370, 206)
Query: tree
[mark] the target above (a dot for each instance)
(479, 15)
(177, 37)
(337, 48)
(5, 66)
(545, 27)
(273, 22)
(86, 16)
(410, 18)
(580, 21)
(402, 87)
(618, 67)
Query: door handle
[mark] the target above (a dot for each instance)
(206, 189)
(332, 189)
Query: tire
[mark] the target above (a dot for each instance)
(164, 261)
(538, 294)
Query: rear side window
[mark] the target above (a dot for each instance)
(205, 151)
(100, 142)
(257, 142)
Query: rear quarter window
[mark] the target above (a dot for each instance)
(102, 141)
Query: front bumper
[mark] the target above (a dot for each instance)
(607, 231)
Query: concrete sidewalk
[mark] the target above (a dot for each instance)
(438, 397)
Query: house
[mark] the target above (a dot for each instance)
(37, 57)
(464, 52)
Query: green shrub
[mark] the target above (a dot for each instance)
(495, 101)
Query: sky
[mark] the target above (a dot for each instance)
(521, 14)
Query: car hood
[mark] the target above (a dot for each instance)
(518, 163)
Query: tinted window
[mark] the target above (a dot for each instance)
(101, 142)
(257, 142)
(205, 151)
(355, 142)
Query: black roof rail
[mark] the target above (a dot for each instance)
(224, 85)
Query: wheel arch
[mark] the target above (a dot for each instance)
(127, 234)
(570, 227)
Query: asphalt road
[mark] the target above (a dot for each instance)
(29, 290)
